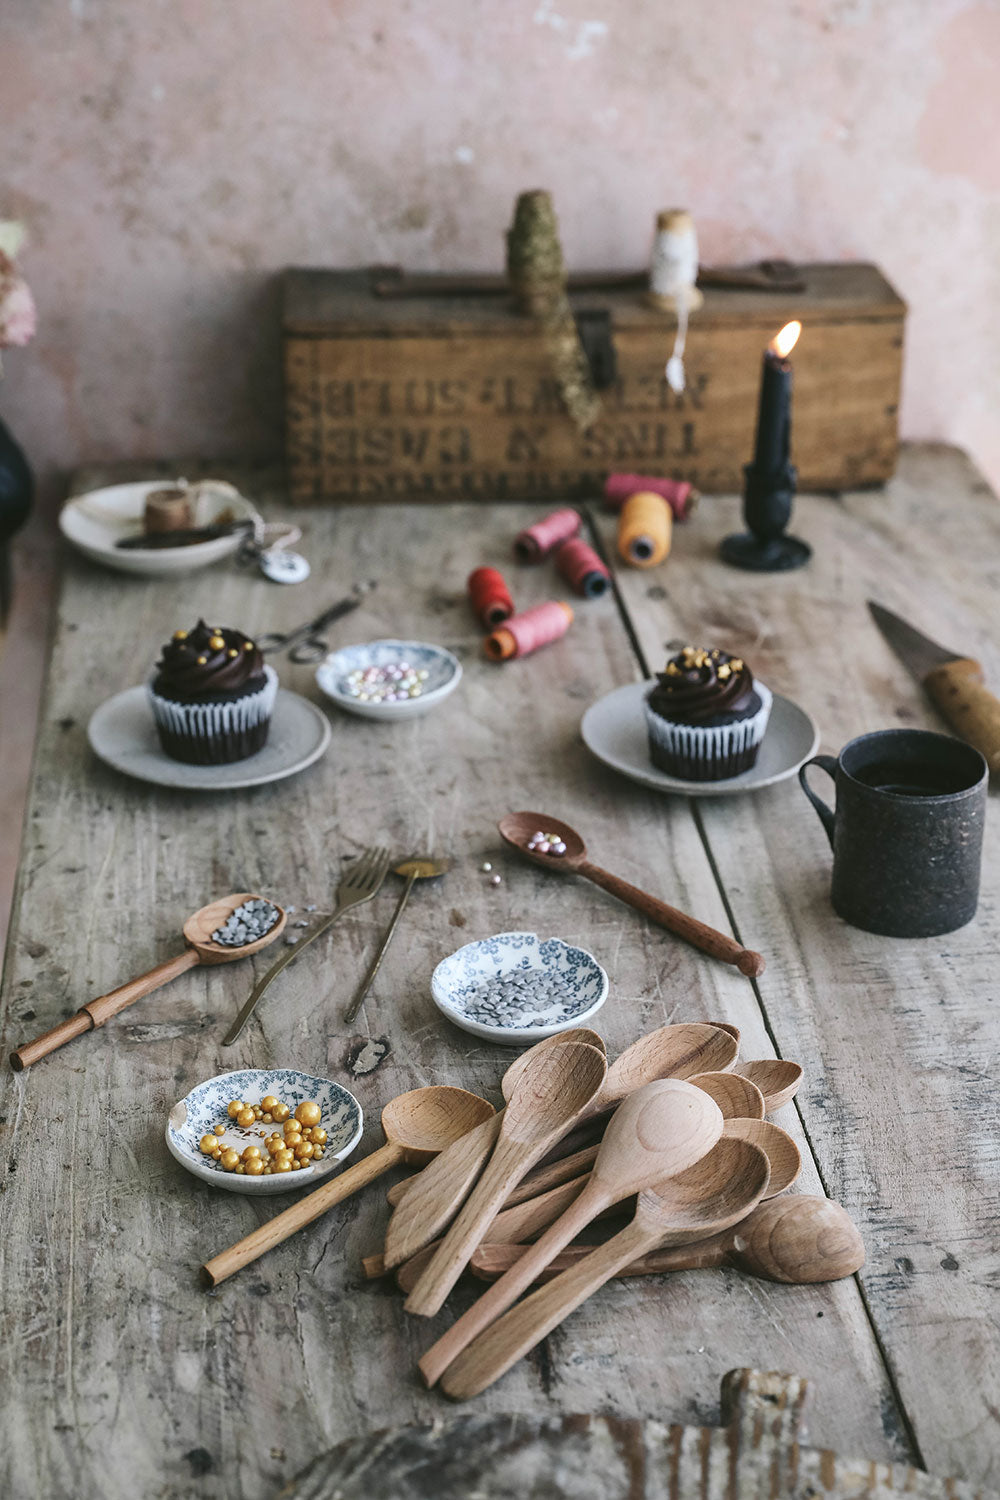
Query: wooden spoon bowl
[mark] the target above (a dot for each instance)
(777, 1145)
(737, 1097)
(424, 1121)
(716, 1192)
(777, 1079)
(798, 1240)
(198, 929)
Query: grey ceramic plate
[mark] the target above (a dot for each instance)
(614, 729)
(123, 734)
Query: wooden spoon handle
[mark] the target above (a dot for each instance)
(284, 1225)
(698, 934)
(957, 691)
(491, 1261)
(439, 1192)
(519, 1330)
(516, 1280)
(96, 1012)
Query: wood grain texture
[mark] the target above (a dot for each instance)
(898, 1037)
(121, 1375)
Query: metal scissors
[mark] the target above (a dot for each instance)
(304, 643)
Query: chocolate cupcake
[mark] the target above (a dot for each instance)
(706, 716)
(212, 696)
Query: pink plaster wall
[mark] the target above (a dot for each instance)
(170, 155)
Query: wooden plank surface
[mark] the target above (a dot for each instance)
(120, 1374)
(900, 1102)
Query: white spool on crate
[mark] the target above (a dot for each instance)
(673, 272)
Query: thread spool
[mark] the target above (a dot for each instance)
(582, 569)
(490, 597)
(168, 510)
(536, 542)
(644, 529)
(678, 493)
(522, 634)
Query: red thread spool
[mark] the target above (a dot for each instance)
(537, 541)
(678, 494)
(490, 597)
(582, 569)
(522, 634)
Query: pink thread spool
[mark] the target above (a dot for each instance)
(489, 597)
(536, 542)
(678, 494)
(522, 634)
(582, 569)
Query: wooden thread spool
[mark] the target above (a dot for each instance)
(582, 569)
(168, 510)
(522, 634)
(644, 530)
(678, 493)
(536, 542)
(489, 597)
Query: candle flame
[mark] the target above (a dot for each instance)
(784, 342)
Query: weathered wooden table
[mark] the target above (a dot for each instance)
(120, 1375)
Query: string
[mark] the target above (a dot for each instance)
(490, 597)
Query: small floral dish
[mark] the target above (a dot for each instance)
(516, 988)
(389, 679)
(207, 1106)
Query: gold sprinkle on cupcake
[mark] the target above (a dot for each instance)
(216, 642)
(248, 645)
(232, 651)
(202, 661)
(180, 635)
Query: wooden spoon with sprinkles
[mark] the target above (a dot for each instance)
(521, 830)
(200, 949)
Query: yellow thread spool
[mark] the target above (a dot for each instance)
(645, 528)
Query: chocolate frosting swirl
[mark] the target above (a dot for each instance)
(195, 665)
(698, 685)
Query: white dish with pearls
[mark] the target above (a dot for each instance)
(389, 679)
(94, 522)
(516, 988)
(207, 1106)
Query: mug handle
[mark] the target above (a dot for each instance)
(828, 763)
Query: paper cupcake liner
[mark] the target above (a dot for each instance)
(696, 752)
(212, 734)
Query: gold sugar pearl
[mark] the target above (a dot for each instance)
(282, 1164)
(207, 1144)
(304, 1150)
(246, 1116)
(318, 1135)
(318, 1153)
(269, 1101)
(255, 1167)
(250, 1152)
(216, 642)
(217, 1152)
(297, 1166)
(240, 1170)
(309, 1112)
(292, 1127)
(230, 1159)
(279, 1113)
(233, 1108)
(267, 1117)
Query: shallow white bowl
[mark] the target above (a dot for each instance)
(457, 977)
(95, 521)
(205, 1106)
(444, 674)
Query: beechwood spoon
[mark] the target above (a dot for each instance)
(797, 1240)
(417, 1126)
(200, 949)
(555, 1087)
(669, 1052)
(662, 1129)
(517, 830)
(718, 1191)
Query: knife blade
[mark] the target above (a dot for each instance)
(952, 681)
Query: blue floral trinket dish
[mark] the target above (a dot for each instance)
(516, 988)
(206, 1107)
(389, 679)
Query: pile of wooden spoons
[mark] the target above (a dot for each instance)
(676, 1125)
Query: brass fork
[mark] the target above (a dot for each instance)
(359, 884)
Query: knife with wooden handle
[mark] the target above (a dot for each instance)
(953, 682)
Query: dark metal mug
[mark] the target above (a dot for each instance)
(907, 834)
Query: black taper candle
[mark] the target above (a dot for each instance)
(774, 414)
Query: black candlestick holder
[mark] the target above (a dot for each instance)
(767, 509)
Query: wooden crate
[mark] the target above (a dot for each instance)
(453, 397)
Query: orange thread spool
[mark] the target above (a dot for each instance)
(522, 634)
(489, 597)
(644, 530)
